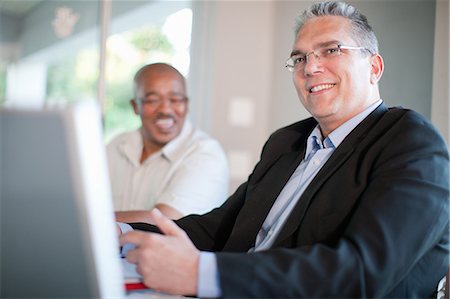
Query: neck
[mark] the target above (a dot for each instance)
(149, 149)
(146, 153)
(329, 125)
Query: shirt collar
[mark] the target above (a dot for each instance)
(172, 149)
(132, 148)
(315, 140)
(313, 143)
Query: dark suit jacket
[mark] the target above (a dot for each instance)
(374, 222)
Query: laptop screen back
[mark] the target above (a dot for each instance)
(56, 218)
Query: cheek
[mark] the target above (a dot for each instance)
(358, 86)
(148, 116)
(181, 112)
(359, 75)
(296, 80)
(299, 84)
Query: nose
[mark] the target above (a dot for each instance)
(312, 65)
(165, 105)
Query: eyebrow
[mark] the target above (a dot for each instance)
(172, 93)
(320, 45)
(150, 93)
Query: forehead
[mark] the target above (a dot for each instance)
(323, 29)
(160, 81)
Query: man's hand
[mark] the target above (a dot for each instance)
(169, 262)
(119, 231)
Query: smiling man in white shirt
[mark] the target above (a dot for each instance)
(166, 163)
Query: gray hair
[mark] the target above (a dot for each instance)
(362, 32)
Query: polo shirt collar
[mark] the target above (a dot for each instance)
(175, 148)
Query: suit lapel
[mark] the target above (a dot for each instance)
(297, 214)
(260, 201)
(266, 183)
(342, 153)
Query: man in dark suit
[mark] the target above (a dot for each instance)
(352, 202)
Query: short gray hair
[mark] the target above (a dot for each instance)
(362, 32)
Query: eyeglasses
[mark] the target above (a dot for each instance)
(156, 101)
(298, 61)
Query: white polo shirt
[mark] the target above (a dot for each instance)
(189, 174)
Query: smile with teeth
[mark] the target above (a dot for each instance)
(165, 123)
(321, 87)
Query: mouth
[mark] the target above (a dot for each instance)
(321, 87)
(165, 123)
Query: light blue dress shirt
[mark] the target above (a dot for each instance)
(318, 151)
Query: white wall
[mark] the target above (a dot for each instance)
(233, 59)
(441, 80)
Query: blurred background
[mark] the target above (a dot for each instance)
(231, 52)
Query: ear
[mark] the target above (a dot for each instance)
(376, 68)
(135, 106)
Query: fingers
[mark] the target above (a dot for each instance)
(132, 256)
(140, 239)
(119, 231)
(133, 242)
(167, 226)
(134, 237)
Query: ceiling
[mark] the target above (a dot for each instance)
(18, 7)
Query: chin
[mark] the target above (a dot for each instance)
(165, 139)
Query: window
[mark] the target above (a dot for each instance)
(128, 50)
(50, 51)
